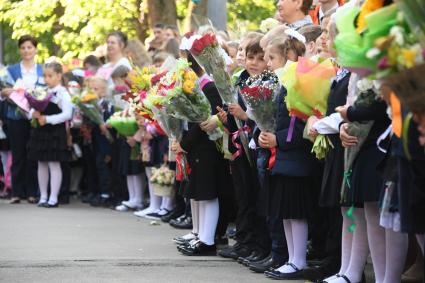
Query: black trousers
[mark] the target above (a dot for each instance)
(24, 171)
(251, 227)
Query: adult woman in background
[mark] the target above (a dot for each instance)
(24, 172)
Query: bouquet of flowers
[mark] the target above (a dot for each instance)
(367, 96)
(18, 96)
(124, 122)
(308, 86)
(260, 96)
(4, 75)
(162, 180)
(155, 102)
(185, 99)
(88, 103)
(38, 98)
(209, 55)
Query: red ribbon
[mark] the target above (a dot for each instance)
(235, 135)
(183, 169)
(272, 159)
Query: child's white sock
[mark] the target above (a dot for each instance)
(55, 181)
(208, 219)
(43, 180)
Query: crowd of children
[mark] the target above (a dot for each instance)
(291, 219)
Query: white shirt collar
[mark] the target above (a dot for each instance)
(31, 71)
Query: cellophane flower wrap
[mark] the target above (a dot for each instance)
(259, 95)
(185, 99)
(124, 122)
(38, 98)
(155, 103)
(88, 103)
(308, 86)
(207, 53)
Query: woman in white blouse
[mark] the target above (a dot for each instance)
(116, 43)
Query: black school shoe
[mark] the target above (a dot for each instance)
(326, 269)
(184, 223)
(275, 274)
(255, 256)
(235, 252)
(199, 249)
(267, 264)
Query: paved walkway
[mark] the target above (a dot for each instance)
(78, 243)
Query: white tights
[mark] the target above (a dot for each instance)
(296, 233)
(135, 187)
(155, 201)
(354, 247)
(208, 219)
(54, 168)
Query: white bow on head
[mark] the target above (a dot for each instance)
(295, 34)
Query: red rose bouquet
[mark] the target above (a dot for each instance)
(210, 56)
(260, 96)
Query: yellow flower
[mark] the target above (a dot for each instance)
(145, 70)
(368, 7)
(409, 56)
(89, 97)
(188, 86)
(190, 75)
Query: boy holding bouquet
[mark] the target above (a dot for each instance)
(252, 238)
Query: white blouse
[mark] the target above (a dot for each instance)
(63, 100)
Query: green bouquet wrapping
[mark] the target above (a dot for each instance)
(125, 126)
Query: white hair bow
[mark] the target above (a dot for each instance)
(295, 34)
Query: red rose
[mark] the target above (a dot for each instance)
(197, 47)
(205, 40)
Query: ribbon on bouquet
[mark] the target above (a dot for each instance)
(235, 135)
(291, 129)
(272, 159)
(183, 169)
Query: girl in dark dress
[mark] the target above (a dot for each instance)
(363, 193)
(48, 142)
(209, 174)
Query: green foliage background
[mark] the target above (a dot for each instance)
(73, 28)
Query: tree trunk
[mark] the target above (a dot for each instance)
(217, 12)
(162, 11)
(197, 15)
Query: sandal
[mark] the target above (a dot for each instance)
(32, 200)
(15, 200)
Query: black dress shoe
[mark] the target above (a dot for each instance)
(199, 249)
(52, 205)
(42, 204)
(275, 274)
(172, 215)
(185, 223)
(326, 269)
(181, 240)
(102, 202)
(256, 256)
(234, 252)
(266, 265)
(221, 241)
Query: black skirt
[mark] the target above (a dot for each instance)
(330, 194)
(366, 181)
(209, 176)
(49, 143)
(126, 166)
(291, 197)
